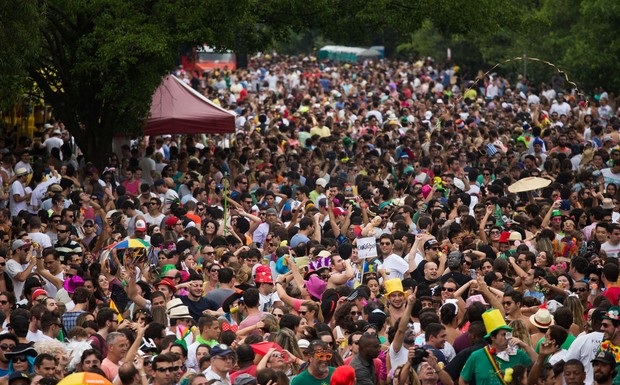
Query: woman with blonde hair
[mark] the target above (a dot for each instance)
(573, 303)
(519, 330)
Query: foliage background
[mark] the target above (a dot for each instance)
(97, 62)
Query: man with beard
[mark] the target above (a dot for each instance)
(484, 365)
(196, 303)
(318, 371)
(396, 298)
(604, 365)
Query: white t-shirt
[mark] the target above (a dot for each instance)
(611, 250)
(266, 302)
(396, 266)
(154, 220)
(584, 349)
(50, 288)
(17, 189)
(400, 358)
(13, 268)
(40, 238)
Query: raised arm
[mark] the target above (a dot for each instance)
(397, 342)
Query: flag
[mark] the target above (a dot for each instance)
(113, 307)
(184, 336)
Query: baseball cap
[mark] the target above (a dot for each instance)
(321, 182)
(221, 350)
(430, 243)
(140, 225)
(605, 357)
(17, 244)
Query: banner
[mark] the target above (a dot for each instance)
(367, 247)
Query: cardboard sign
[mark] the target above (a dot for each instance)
(367, 247)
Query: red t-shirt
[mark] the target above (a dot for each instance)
(612, 294)
(251, 370)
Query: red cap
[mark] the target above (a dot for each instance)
(171, 221)
(37, 293)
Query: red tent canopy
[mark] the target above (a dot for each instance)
(178, 109)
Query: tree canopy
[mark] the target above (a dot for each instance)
(97, 62)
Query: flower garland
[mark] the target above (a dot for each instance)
(609, 347)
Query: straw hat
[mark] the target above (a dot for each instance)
(528, 184)
(542, 318)
(174, 302)
(180, 312)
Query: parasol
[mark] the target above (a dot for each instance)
(84, 378)
(130, 243)
(262, 348)
(528, 184)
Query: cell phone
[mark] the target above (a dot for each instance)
(508, 335)
(472, 273)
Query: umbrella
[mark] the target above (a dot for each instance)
(84, 378)
(262, 348)
(528, 184)
(130, 244)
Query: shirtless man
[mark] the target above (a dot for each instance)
(512, 306)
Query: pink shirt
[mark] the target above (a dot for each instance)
(110, 369)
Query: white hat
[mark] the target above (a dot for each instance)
(321, 182)
(303, 344)
(175, 302)
(180, 312)
(21, 171)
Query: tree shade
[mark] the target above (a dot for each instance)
(178, 109)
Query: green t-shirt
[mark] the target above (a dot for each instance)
(565, 345)
(305, 378)
(479, 370)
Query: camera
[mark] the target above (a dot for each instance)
(418, 356)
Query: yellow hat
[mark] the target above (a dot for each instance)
(393, 285)
(493, 321)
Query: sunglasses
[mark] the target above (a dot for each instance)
(323, 356)
(20, 359)
(356, 313)
(170, 369)
(302, 312)
(579, 289)
(5, 347)
(448, 289)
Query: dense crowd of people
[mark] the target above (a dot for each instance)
(234, 260)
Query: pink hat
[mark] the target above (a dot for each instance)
(73, 283)
(315, 286)
(426, 190)
(476, 298)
